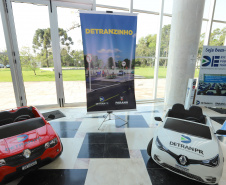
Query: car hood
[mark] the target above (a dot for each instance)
(27, 140)
(190, 146)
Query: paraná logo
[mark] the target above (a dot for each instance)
(197, 102)
(22, 138)
(185, 139)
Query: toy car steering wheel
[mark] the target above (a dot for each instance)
(192, 119)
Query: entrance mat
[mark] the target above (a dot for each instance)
(55, 177)
(53, 115)
(218, 110)
(220, 120)
(134, 121)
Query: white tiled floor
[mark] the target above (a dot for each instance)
(113, 171)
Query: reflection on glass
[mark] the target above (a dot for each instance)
(72, 59)
(6, 91)
(34, 41)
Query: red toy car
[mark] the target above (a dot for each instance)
(27, 142)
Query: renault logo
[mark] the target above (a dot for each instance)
(27, 153)
(183, 160)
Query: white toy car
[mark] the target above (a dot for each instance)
(186, 143)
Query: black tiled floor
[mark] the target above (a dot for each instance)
(220, 120)
(116, 151)
(104, 145)
(94, 138)
(91, 151)
(65, 129)
(134, 121)
(162, 176)
(55, 177)
(112, 138)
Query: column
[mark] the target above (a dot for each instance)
(183, 48)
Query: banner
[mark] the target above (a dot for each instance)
(211, 91)
(109, 42)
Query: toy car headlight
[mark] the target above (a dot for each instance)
(160, 145)
(2, 162)
(51, 143)
(212, 162)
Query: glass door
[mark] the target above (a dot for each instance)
(35, 49)
(72, 59)
(7, 96)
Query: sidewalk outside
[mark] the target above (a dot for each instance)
(44, 93)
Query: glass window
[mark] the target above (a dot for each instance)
(149, 5)
(7, 96)
(145, 56)
(34, 42)
(206, 9)
(201, 41)
(119, 3)
(219, 13)
(72, 59)
(164, 52)
(109, 9)
(168, 6)
(217, 34)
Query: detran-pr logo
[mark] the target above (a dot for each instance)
(101, 98)
(197, 102)
(185, 139)
(22, 138)
(206, 61)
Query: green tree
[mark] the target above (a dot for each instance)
(4, 57)
(78, 58)
(28, 60)
(66, 59)
(42, 44)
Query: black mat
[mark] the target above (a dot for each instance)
(104, 145)
(220, 120)
(66, 129)
(218, 110)
(55, 177)
(53, 115)
(134, 121)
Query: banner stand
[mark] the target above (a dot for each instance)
(109, 115)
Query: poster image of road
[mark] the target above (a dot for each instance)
(213, 85)
(109, 42)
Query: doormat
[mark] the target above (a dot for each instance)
(220, 120)
(53, 115)
(218, 110)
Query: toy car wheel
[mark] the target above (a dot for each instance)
(149, 147)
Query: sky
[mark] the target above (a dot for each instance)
(29, 17)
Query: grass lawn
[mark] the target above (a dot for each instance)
(74, 75)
